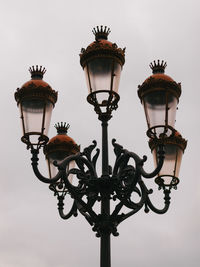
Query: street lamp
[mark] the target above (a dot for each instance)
(159, 95)
(73, 173)
(36, 100)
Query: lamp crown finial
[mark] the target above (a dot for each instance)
(158, 67)
(101, 32)
(62, 127)
(37, 72)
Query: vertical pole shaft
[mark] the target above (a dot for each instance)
(105, 260)
(105, 250)
(105, 165)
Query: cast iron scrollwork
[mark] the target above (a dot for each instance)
(122, 185)
(129, 181)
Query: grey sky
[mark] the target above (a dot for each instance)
(51, 33)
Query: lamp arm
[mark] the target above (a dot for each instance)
(149, 205)
(145, 200)
(83, 207)
(80, 160)
(143, 193)
(123, 156)
(139, 162)
(84, 176)
(36, 171)
(62, 175)
(73, 210)
(154, 209)
(60, 166)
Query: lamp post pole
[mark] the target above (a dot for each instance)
(105, 253)
(102, 62)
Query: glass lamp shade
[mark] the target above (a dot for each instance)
(102, 76)
(160, 109)
(36, 100)
(36, 116)
(102, 63)
(174, 149)
(58, 148)
(159, 95)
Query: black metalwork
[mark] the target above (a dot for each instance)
(124, 183)
(158, 67)
(121, 184)
(110, 104)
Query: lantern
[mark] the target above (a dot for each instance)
(102, 63)
(58, 148)
(159, 95)
(35, 100)
(174, 149)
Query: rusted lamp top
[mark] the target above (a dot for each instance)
(159, 80)
(101, 47)
(36, 87)
(61, 142)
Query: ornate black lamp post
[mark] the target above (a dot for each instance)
(102, 63)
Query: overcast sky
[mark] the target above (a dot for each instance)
(51, 33)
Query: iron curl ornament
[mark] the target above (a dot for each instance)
(120, 184)
(73, 174)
